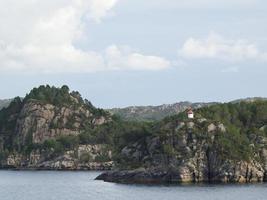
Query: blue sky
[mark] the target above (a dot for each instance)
(123, 52)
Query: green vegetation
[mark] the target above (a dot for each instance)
(8, 124)
(51, 95)
(61, 97)
(3, 155)
(102, 158)
(235, 145)
(243, 114)
(86, 157)
(243, 121)
(60, 144)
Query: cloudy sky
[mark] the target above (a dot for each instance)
(134, 52)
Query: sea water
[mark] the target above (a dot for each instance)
(62, 185)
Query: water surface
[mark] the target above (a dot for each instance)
(55, 185)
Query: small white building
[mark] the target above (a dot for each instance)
(190, 113)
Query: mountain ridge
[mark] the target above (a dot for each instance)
(159, 112)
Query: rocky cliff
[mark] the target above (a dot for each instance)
(46, 121)
(42, 131)
(85, 157)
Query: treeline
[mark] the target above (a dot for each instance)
(55, 96)
(243, 114)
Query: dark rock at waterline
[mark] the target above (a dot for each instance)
(174, 176)
(139, 176)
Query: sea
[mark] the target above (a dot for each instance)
(69, 185)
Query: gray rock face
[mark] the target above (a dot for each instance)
(222, 128)
(211, 128)
(46, 121)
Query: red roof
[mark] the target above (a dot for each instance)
(190, 111)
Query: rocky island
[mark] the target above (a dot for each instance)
(56, 129)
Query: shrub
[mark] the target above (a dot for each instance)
(69, 141)
(102, 158)
(86, 157)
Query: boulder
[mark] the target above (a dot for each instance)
(211, 128)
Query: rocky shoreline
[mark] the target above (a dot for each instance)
(61, 167)
(172, 176)
(83, 158)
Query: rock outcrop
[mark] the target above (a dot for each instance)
(84, 158)
(46, 121)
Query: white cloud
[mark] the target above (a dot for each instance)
(125, 58)
(40, 36)
(217, 47)
(100, 8)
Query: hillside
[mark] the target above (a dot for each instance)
(44, 131)
(249, 100)
(154, 113)
(224, 143)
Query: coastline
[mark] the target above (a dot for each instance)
(142, 176)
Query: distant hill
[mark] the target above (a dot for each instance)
(4, 103)
(249, 100)
(156, 113)
(152, 113)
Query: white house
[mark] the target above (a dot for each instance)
(190, 113)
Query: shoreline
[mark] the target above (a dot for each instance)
(144, 181)
(63, 170)
(169, 178)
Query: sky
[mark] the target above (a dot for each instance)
(120, 53)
